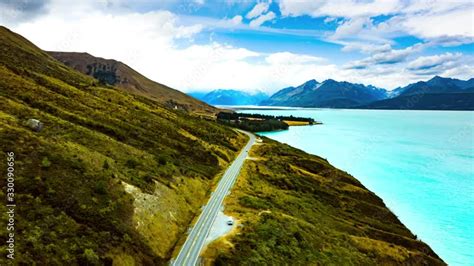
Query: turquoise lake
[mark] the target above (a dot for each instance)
(421, 163)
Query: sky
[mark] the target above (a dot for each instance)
(203, 45)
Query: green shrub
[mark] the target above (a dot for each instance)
(131, 163)
(162, 160)
(106, 165)
(148, 178)
(90, 257)
(45, 163)
(101, 187)
(253, 202)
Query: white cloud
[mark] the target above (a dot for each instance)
(237, 20)
(287, 58)
(458, 22)
(447, 64)
(385, 55)
(430, 20)
(455, 65)
(340, 8)
(258, 10)
(427, 62)
(329, 20)
(262, 19)
(351, 27)
(366, 48)
(357, 30)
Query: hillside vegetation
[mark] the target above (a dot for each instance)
(296, 209)
(112, 177)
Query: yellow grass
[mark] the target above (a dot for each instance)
(296, 123)
(220, 245)
(381, 247)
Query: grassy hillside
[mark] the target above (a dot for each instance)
(296, 209)
(112, 176)
(116, 73)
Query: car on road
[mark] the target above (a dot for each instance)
(230, 222)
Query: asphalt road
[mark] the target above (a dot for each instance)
(189, 253)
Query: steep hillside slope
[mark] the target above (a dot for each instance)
(231, 97)
(112, 177)
(330, 93)
(116, 73)
(297, 209)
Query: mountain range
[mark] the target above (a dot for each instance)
(436, 93)
(230, 97)
(330, 93)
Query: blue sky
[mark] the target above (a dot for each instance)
(260, 45)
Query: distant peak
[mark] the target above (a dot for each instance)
(68, 53)
(310, 83)
(330, 81)
(438, 78)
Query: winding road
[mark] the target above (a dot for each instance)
(189, 253)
